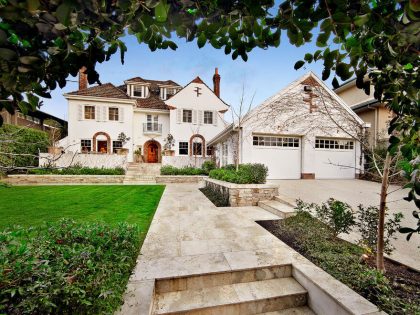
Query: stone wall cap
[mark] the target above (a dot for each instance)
(240, 186)
(60, 176)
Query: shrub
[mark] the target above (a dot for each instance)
(77, 170)
(367, 225)
(246, 174)
(337, 215)
(24, 143)
(66, 268)
(208, 166)
(172, 170)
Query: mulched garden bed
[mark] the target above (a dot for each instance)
(396, 292)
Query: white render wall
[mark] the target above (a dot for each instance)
(187, 99)
(85, 129)
(87, 160)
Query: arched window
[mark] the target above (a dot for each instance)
(197, 145)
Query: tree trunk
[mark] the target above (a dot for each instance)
(382, 207)
(238, 150)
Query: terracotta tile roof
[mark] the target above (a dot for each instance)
(110, 91)
(104, 90)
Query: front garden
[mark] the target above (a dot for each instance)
(313, 233)
(77, 170)
(80, 261)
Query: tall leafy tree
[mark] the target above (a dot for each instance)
(43, 42)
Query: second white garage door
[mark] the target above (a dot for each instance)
(335, 158)
(281, 154)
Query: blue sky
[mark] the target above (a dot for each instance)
(265, 72)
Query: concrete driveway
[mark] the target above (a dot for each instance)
(356, 192)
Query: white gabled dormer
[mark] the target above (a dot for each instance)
(138, 90)
(166, 91)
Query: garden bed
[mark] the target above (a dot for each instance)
(395, 292)
(25, 179)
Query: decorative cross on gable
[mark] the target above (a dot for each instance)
(197, 90)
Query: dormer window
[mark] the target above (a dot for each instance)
(139, 91)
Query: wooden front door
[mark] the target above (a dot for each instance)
(102, 146)
(152, 153)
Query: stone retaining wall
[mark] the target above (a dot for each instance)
(167, 179)
(243, 194)
(64, 179)
(184, 161)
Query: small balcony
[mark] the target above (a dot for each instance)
(152, 128)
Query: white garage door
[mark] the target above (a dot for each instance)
(335, 158)
(281, 154)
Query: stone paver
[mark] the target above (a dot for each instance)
(190, 236)
(356, 192)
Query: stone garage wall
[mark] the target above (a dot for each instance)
(87, 160)
(183, 161)
(243, 194)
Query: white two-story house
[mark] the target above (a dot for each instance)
(145, 111)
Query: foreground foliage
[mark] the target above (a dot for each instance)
(218, 198)
(76, 170)
(19, 146)
(341, 259)
(246, 174)
(172, 170)
(66, 267)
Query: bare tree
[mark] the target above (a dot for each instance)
(240, 114)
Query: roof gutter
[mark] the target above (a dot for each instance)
(99, 99)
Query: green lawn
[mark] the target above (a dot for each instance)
(33, 205)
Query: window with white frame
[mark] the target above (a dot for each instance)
(89, 112)
(183, 148)
(187, 115)
(113, 113)
(138, 90)
(275, 141)
(208, 117)
(334, 144)
(224, 154)
(209, 150)
(86, 145)
(197, 148)
(116, 145)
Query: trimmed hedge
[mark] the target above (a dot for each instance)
(204, 170)
(24, 143)
(66, 267)
(246, 174)
(78, 171)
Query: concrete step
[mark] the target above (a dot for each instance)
(286, 200)
(303, 310)
(278, 208)
(238, 298)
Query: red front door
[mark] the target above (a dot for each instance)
(152, 153)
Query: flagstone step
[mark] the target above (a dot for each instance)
(278, 208)
(238, 298)
(303, 310)
(286, 200)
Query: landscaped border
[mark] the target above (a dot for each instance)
(23, 179)
(243, 194)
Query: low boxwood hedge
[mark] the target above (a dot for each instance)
(66, 267)
(204, 170)
(246, 174)
(75, 170)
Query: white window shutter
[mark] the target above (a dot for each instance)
(178, 116)
(200, 117)
(215, 114)
(97, 113)
(121, 114)
(104, 113)
(194, 117)
(80, 112)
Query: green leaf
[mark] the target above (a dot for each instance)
(308, 57)
(408, 66)
(201, 41)
(299, 64)
(335, 83)
(28, 60)
(7, 54)
(361, 19)
(172, 45)
(63, 12)
(161, 11)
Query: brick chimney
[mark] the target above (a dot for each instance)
(83, 82)
(216, 82)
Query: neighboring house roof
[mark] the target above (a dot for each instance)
(366, 104)
(108, 90)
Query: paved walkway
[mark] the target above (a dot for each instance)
(356, 192)
(190, 236)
